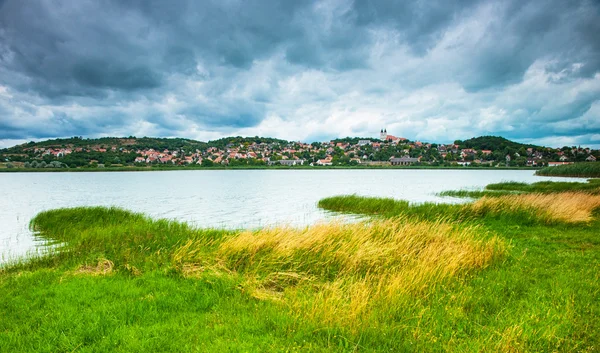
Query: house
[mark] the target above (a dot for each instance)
(591, 158)
(364, 142)
(563, 158)
(292, 162)
(554, 164)
(405, 160)
(467, 152)
(326, 161)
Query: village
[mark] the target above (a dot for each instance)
(387, 150)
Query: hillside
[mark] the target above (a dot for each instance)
(77, 152)
(107, 142)
(494, 143)
(239, 140)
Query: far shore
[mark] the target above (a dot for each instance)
(158, 169)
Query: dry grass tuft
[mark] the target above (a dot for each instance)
(336, 273)
(566, 207)
(104, 267)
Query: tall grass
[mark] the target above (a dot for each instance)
(511, 273)
(339, 274)
(130, 240)
(592, 185)
(525, 208)
(363, 205)
(333, 273)
(584, 170)
(569, 207)
(511, 188)
(474, 194)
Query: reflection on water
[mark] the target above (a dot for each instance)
(221, 198)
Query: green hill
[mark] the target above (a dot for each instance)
(239, 140)
(108, 142)
(494, 143)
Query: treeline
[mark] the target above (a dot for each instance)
(353, 140)
(130, 142)
(239, 140)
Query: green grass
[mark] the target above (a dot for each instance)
(511, 187)
(126, 283)
(363, 205)
(475, 194)
(584, 170)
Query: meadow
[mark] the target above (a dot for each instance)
(514, 272)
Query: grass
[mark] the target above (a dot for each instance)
(510, 188)
(567, 207)
(583, 170)
(519, 272)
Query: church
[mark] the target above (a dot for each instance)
(383, 136)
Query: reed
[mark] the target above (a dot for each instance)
(363, 205)
(338, 273)
(511, 188)
(569, 207)
(584, 169)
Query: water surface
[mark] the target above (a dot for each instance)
(221, 198)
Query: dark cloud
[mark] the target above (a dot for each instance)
(97, 67)
(419, 23)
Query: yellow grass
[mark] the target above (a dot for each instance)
(104, 267)
(337, 273)
(566, 206)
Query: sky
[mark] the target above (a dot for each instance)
(436, 70)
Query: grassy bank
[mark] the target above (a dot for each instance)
(583, 170)
(511, 273)
(543, 297)
(511, 188)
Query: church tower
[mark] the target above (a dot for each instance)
(383, 135)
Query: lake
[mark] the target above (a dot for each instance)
(221, 198)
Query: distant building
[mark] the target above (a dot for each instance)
(364, 142)
(554, 164)
(291, 162)
(325, 161)
(383, 135)
(403, 160)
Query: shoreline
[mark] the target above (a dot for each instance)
(463, 273)
(153, 169)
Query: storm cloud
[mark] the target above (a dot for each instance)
(301, 70)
